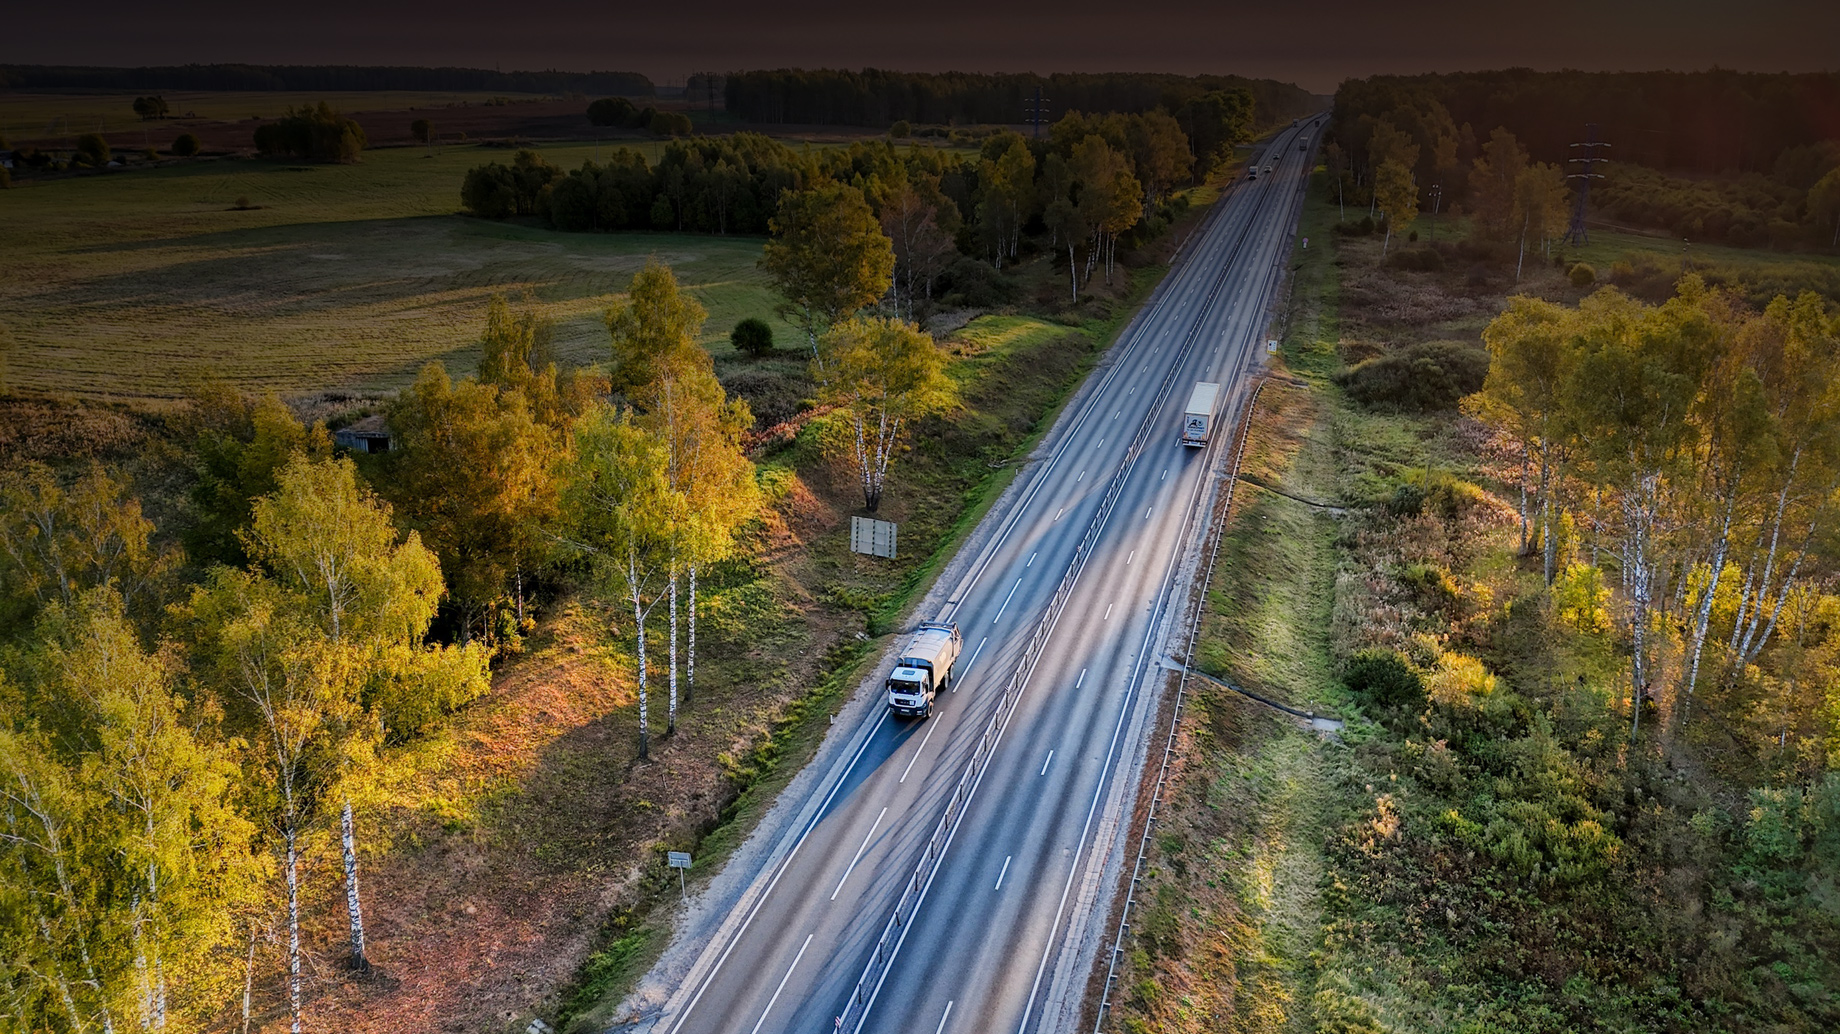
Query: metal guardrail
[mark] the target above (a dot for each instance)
(913, 891)
(1175, 718)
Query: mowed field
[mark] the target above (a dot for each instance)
(142, 284)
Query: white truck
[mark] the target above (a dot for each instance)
(924, 668)
(1198, 418)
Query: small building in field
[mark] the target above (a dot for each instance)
(370, 434)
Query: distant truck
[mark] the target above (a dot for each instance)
(923, 669)
(1198, 418)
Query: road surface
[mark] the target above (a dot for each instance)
(990, 946)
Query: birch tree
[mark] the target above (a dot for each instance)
(618, 508)
(884, 375)
(1637, 379)
(1531, 354)
(1396, 193)
(701, 429)
(332, 547)
(828, 256)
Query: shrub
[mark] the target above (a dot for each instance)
(317, 134)
(671, 123)
(1438, 491)
(187, 145)
(152, 154)
(968, 283)
(1363, 228)
(150, 107)
(752, 337)
(773, 398)
(1582, 276)
(6, 178)
(1423, 377)
(613, 111)
(422, 130)
(900, 130)
(1384, 677)
(1423, 260)
(93, 148)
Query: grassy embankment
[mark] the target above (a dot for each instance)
(1508, 865)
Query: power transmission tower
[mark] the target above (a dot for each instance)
(1038, 112)
(1575, 234)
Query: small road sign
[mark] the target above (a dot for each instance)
(679, 860)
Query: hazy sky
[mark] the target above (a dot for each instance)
(1316, 43)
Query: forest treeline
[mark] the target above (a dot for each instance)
(1743, 158)
(876, 97)
(318, 77)
(1090, 183)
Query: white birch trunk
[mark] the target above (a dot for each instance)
(293, 920)
(354, 910)
(632, 583)
(671, 707)
(690, 660)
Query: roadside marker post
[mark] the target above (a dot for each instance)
(679, 860)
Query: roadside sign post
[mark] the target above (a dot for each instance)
(679, 860)
(873, 537)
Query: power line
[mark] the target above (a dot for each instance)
(1575, 234)
(1037, 113)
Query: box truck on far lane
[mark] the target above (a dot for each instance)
(1198, 418)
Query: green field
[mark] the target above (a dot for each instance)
(346, 278)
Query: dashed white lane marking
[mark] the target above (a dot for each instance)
(1031, 562)
(1082, 681)
(930, 726)
(1133, 556)
(1006, 599)
(1000, 876)
(1148, 512)
(782, 983)
(1057, 513)
(942, 1019)
(969, 663)
(1165, 473)
(853, 861)
(1081, 478)
(1108, 613)
(1045, 763)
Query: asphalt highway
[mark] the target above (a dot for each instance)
(988, 946)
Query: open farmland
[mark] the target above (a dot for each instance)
(345, 278)
(50, 117)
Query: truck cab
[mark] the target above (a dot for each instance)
(923, 669)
